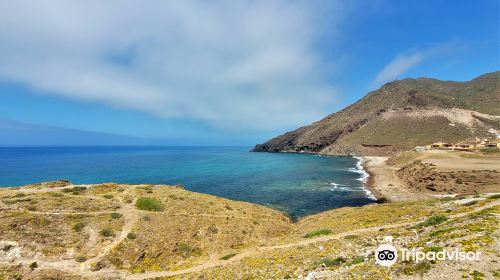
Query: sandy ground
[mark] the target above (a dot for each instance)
(384, 183)
(384, 180)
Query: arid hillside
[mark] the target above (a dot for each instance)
(399, 116)
(57, 230)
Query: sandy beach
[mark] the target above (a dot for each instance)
(417, 175)
(383, 182)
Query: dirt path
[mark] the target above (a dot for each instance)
(43, 190)
(72, 213)
(130, 216)
(254, 251)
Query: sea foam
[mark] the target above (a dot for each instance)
(364, 177)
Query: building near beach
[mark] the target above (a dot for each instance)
(467, 145)
(440, 145)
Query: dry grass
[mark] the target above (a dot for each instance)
(194, 228)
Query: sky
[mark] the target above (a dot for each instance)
(187, 72)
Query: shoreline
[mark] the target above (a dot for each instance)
(366, 179)
(370, 183)
(384, 183)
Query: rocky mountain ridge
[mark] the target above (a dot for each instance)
(399, 116)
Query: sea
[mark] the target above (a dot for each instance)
(297, 184)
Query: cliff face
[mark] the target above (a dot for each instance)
(399, 116)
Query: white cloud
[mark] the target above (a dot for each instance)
(399, 65)
(404, 62)
(231, 64)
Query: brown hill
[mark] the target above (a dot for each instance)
(399, 116)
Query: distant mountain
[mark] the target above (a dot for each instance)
(13, 133)
(399, 116)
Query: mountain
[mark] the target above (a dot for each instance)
(13, 133)
(399, 116)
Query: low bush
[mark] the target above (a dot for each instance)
(411, 268)
(441, 232)
(78, 226)
(131, 235)
(434, 249)
(382, 200)
(358, 259)
(188, 250)
(227, 257)
(74, 190)
(434, 220)
(80, 258)
(470, 203)
(323, 231)
(149, 204)
(107, 232)
(332, 262)
(476, 275)
(115, 215)
(56, 194)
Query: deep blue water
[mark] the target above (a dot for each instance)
(299, 184)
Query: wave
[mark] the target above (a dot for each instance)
(364, 177)
(341, 187)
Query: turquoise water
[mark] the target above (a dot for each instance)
(299, 184)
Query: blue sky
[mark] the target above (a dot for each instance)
(224, 72)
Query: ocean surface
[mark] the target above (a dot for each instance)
(298, 184)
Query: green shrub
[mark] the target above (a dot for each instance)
(441, 232)
(78, 226)
(33, 265)
(115, 215)
(490, 150)
(434, 220)
(74, 190)
(107, 232)
(131, 235)
(381, 200)
(228, 207)
(332, 262)
(476, 275)
(434, 249)
(188, 250)
(56, 194)
(227, 257)
(495, 196)
(351, 237)
(80, 258)
(470, 203)
(149, 204)
(97, 266)
(108, 196)
(323, 231)
(358, 259)
(411, 268)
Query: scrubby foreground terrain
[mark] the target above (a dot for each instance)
(57, 230)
